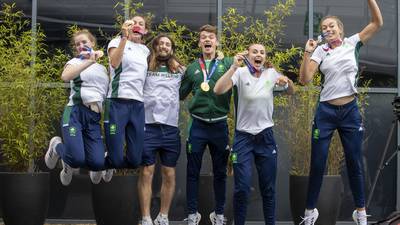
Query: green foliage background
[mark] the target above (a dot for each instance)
(28, 109)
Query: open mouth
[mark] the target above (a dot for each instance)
(207, 46)
(257, 62)
(137, 30)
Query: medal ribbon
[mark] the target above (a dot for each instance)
(207, 76)
(85, 48)
(248, 64)
(252, 69)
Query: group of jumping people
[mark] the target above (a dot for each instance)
(140, 106)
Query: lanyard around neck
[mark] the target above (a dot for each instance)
(207, 76)
(249, 66)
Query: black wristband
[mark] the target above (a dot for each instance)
(308, 52)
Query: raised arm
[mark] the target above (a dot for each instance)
(374, 25)
(308, 67)
(224, 83)
(115, 54)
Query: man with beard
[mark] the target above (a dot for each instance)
(161, 103)
(209, 126)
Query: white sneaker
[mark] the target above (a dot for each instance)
(146, 222)
(107, 175)
(161, 220)
(217, 219)
(51, 157)
(360, 217)
(66, 174)
(96, 176)
(193, 219)
(310, 216)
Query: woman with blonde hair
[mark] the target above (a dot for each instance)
(337, 60)
(81, 129)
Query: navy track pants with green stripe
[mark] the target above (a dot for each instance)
(215, 136)
(346, 119)
(124, 124)
(82, 145)
(261, 149)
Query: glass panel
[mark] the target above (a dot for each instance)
(296, 30)
(55, 16)
(191, 13)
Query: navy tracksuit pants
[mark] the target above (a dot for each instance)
(261, 149)
(82, 143)
(124, 124)
(347, 120)
(215, 135)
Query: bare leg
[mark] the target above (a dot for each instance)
(144, 189)
(167, 188)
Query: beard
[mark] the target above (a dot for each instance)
(163, 58)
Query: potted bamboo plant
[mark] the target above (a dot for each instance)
(27, 111)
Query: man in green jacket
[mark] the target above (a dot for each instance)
(209, 127)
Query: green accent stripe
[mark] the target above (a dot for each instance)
(77, 85)
(322, 80)
(66, 115)
(315, 113)
(107, 103)
(357, 56)
(189, 124)
(115, 82)
(235, 102)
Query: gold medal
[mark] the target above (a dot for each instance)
(204, 86)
